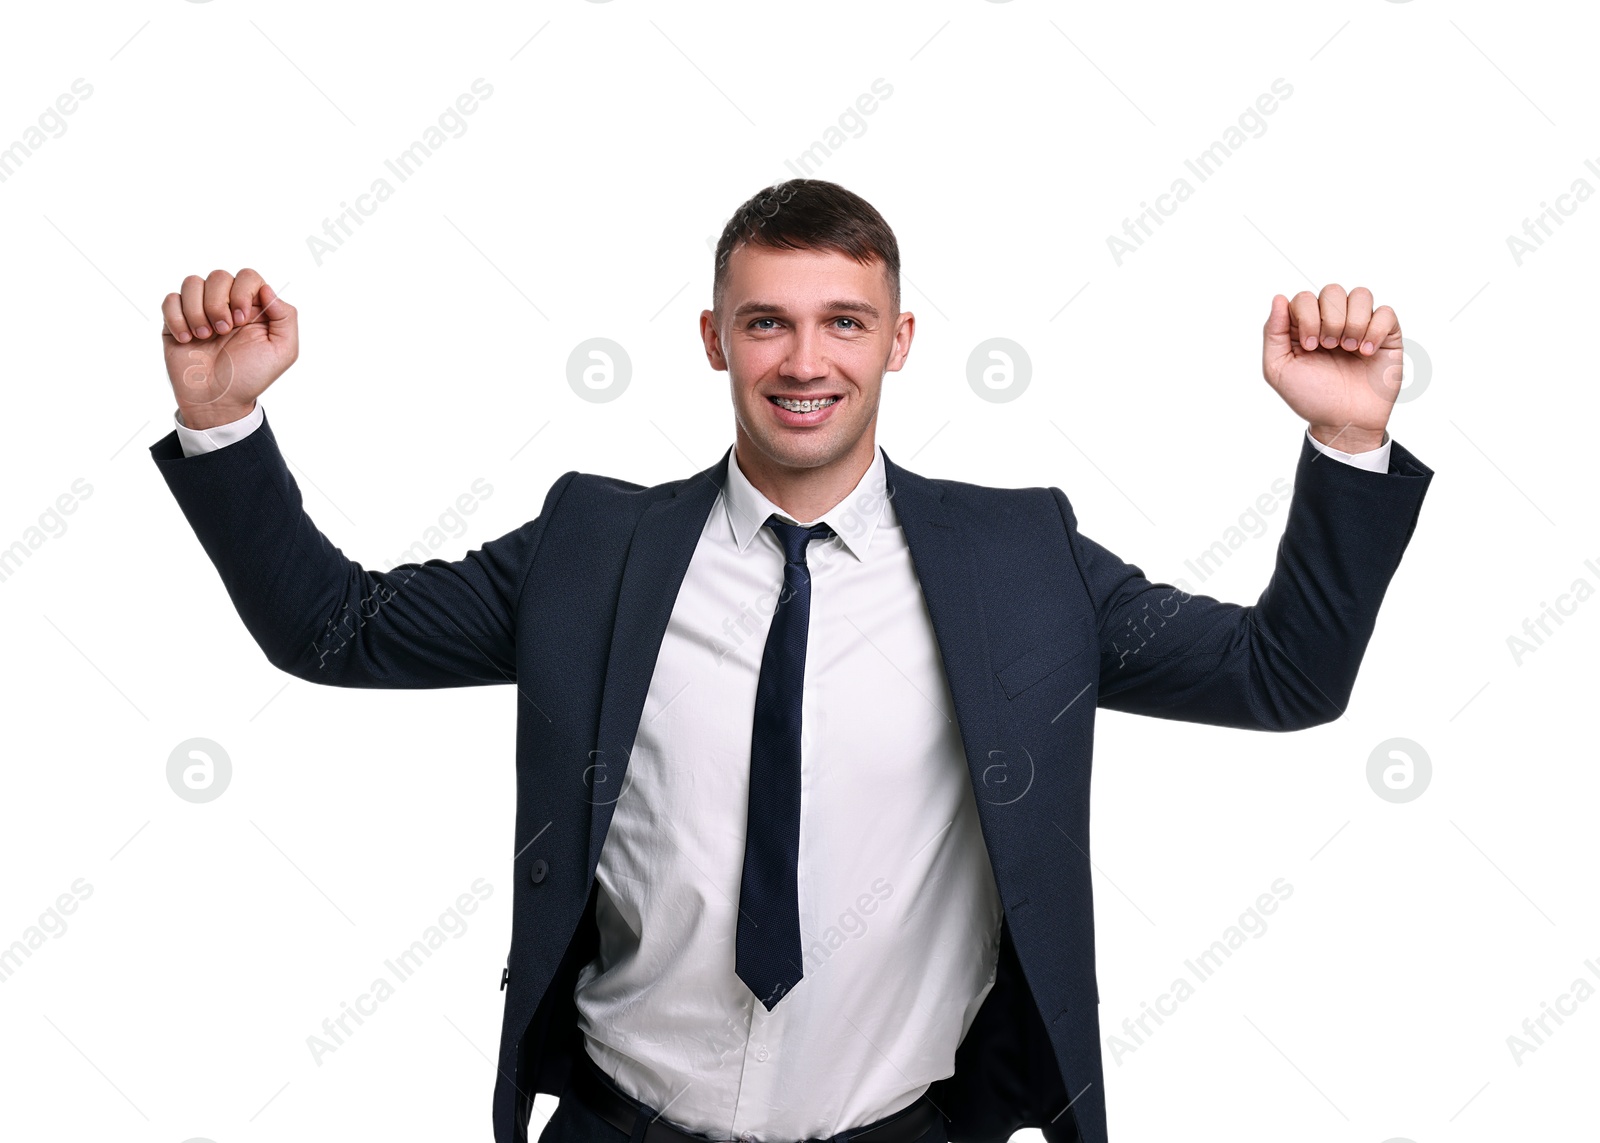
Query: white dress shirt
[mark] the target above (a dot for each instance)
(899, 912)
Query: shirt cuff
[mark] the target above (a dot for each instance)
(1376, 460)
(194, 441)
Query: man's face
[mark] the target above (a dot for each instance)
(803, 325)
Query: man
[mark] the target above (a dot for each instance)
(804, 739)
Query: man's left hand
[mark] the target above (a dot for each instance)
(1336, 361)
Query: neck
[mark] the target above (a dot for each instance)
(805, 493)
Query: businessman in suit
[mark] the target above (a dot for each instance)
(803, 739)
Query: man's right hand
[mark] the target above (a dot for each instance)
(226, 339)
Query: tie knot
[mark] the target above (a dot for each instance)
(795, 537)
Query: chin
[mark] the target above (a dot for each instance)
(801, 450)
(797, 454)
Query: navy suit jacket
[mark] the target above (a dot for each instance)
(1038, 627)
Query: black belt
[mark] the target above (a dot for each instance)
(597, 1092)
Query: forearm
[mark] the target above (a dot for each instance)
(1345, 534)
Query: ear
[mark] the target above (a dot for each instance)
(904, 328)
(713, 340)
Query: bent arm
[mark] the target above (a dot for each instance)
(1288, 661)
(323, 617)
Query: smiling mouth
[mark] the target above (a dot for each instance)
(809, 405)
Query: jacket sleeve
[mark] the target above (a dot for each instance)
(323, 617)
(1288, 661)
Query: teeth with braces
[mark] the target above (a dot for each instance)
(806, 406)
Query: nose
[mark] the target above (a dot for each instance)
(805, 361)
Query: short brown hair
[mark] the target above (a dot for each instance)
(809, 214)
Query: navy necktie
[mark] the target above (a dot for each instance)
(768, 954)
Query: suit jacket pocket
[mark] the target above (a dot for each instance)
(1044, 660)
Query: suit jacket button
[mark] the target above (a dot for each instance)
(538, 870)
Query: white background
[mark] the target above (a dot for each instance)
(578, 203)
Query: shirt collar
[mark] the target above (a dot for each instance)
(854, 519)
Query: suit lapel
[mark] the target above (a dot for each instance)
(658, 557)
(949, 580)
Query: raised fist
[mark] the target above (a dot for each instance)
(1337, 361)
(226, 339)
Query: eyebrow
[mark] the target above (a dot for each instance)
(845, 305)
